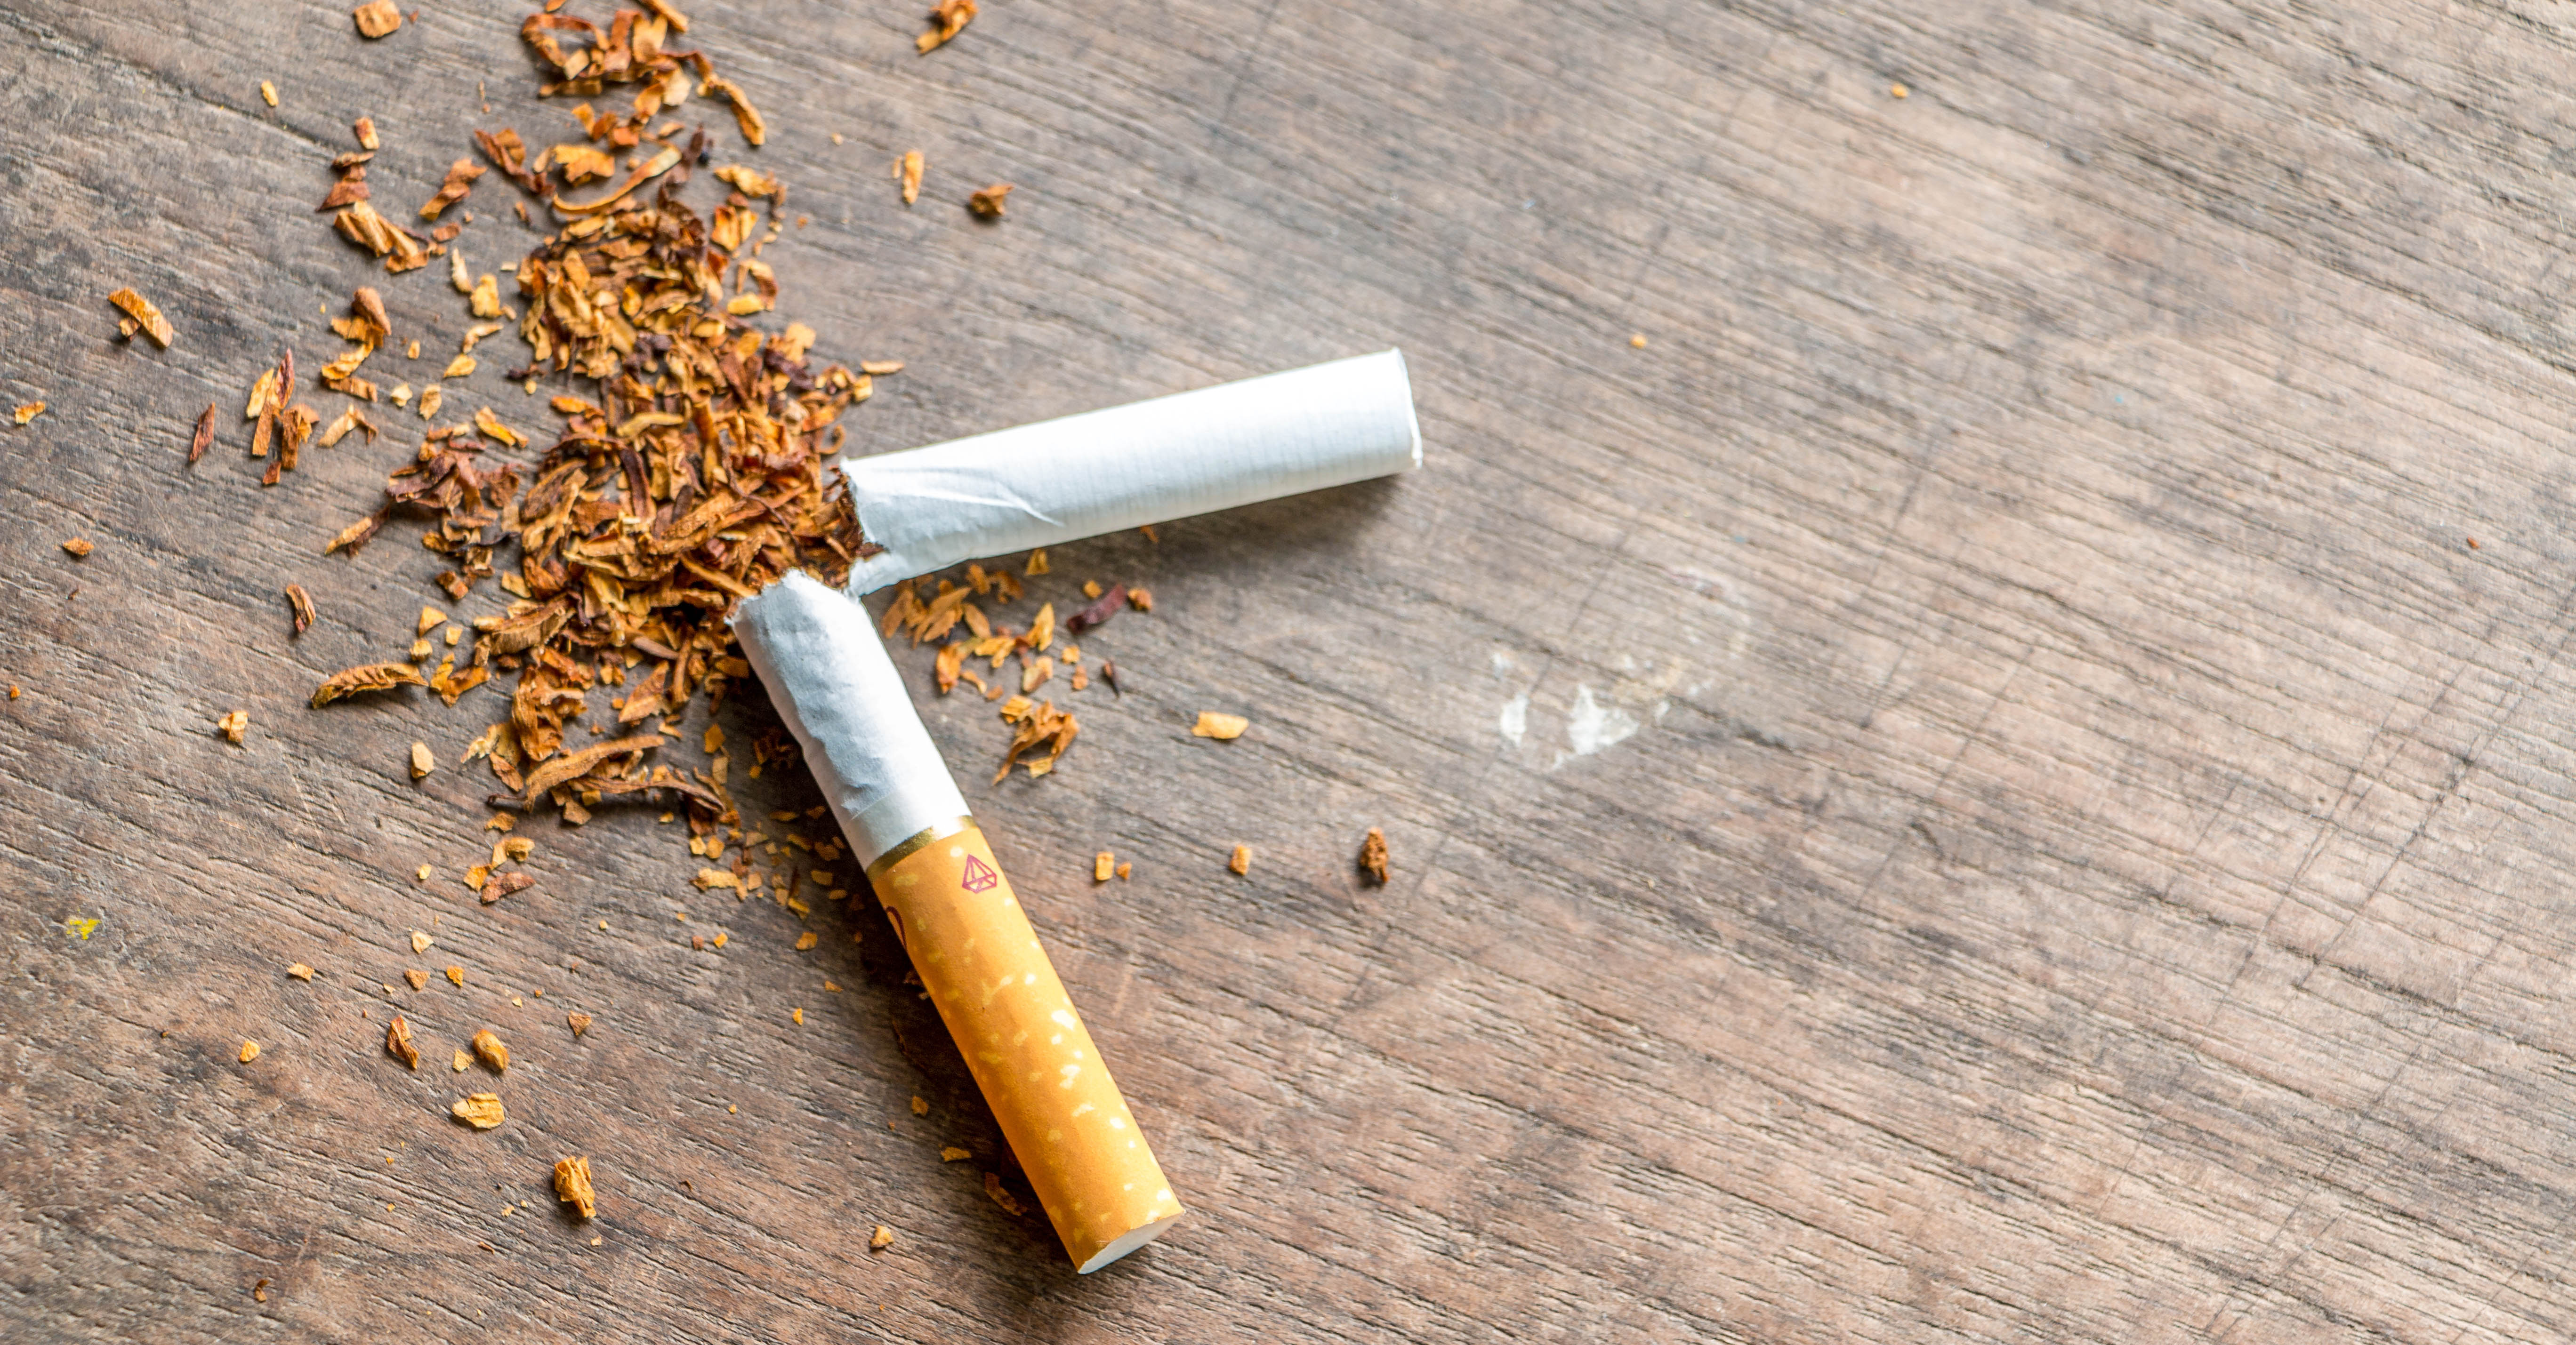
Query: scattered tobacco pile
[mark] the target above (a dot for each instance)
(690, 475)
(689, 471)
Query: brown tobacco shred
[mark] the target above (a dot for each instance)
(366, 133)
(233, 726)
(460, 180)
(479, 1110)
(690, 477)
(365, 677)
(1098, 612)
(1242, 861)
(1373, 856)
(249, 1052)
(361, 223)
(205, 435)
(398, 1040)
(509, 154)
(572, 1186)
(987, 201)
(145, 316)
(80, 547)
(28, 411)
(301, 603)
(1002, 1195)
(907, 171)
(881, 1239)
(1041, 725)
(1214, 725)
(578, 1022)
(948, 18)
(490, 1051)
(378, 18)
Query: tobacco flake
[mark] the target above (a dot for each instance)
(907, 171)
(1373, 856)
(422, 763)
(1242, 861)
(1097, 612)
(398, 1041)
(948, 18)
(205, 435)
(79, 547)
(987, 201)
(233, 726)
(1214, 725)
(1002, 1195)
(377, 18)
(145, 315)
(578, 1022)
(460, 180)
(364, 678)
(491, 1052)
(572, 1186)
(28, 411)
(479, 1110)
(301, 603)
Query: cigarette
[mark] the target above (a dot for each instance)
(1105, 471)
(955, 914)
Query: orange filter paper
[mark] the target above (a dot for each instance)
(1039, 1070)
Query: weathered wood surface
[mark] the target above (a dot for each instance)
(1973, 787)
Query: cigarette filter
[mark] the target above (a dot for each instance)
(956, 916)
(1103, 471)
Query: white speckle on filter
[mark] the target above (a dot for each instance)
(1061, 1017)
(1514, 723)
(1591, 726)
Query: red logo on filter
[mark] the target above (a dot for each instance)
(979, 876)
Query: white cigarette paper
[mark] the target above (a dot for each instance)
(828, 674)
(1147, 462)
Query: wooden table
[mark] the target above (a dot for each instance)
(1999, 771)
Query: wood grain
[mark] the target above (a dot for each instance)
(1974, 786)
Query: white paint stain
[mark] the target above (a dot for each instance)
(1514, 723)
(1591, 726)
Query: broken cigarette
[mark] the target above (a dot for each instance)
(829, 676)
(1148, 462)
(955, 914)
